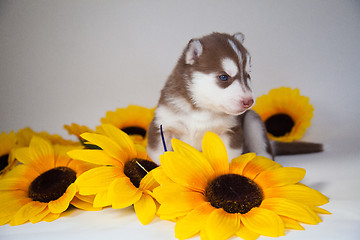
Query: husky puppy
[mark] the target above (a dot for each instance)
(210, 90)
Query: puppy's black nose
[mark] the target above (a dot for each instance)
(248, 102)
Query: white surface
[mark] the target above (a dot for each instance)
(71, 61)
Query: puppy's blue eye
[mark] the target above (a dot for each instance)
(223, 77)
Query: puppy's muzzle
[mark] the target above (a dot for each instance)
(247, 102)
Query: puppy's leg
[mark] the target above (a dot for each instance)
(255, 136)
(155, 146)
(154, 153)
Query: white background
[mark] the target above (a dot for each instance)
(71, 61)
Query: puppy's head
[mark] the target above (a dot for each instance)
(218, 73)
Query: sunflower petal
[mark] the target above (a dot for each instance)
(263, 222)
(148, 182)
(122, 193)
(297, 192)
(5, 219)
(215, 152)
(26, 211)
(80, 166)
(246, 233)
(14, 184)
(85, 198)
(11, 202)
(258, 165)
(101, 200)
(160, 176)
(189, 152)
(37, 212)
(97, 179)
(203, 234)
(194, 172)
(8, 196)
(24, 171)
(280, 177)
(108, 145)
(23, 155)
(99, 157)
(145, 209)
(222, 225)
(60, 154)
(84, 205)
(62, 161)
(42, 153)
(40, 216)
(61, 204)
(291, 209)
(51, 217)
(319, 210)
(176, 200)
(141, 151)
(238, 164)
(290, 223)
(193, 222)
(121, 138)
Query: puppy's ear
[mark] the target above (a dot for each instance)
(193, 51)
(240, 37)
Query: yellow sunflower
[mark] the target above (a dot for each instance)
(7, 144)
(124, 175)
(249, 197)
(285, 112)
(133, 120)
(42, 187)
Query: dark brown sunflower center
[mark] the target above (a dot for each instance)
(279, 124)
(234, 193)
(4, 161)
(136, 170)
(134, 131)
(51, 184)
